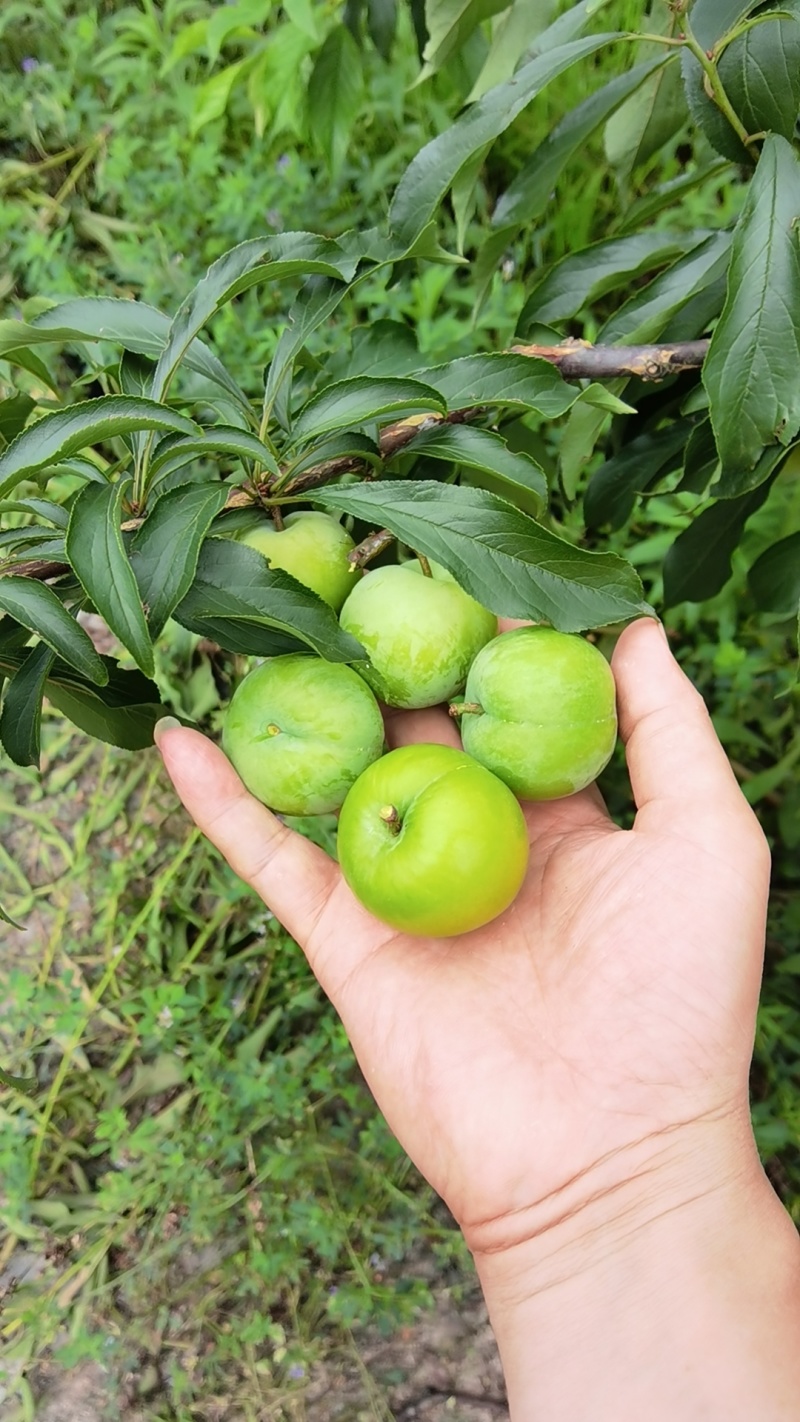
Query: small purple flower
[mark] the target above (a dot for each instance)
(282, 163)
(29, 64)
(297, 1372)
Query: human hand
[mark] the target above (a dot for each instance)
(574, 1043)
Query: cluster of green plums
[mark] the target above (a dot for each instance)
(432, 840)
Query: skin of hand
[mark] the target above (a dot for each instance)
(573, 1078)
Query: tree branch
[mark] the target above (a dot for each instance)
(579, 360)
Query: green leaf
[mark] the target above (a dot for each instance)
(37, 607)
(383, 348)
(430, 174)
(700, 460)
(259, 610)
(750, 372)
(645, 315)
(134, 326)
(348, 445)
(646, 121)
(509, 381)
(259, 259)
(450, 24)
(65, 432)
(485, 451)
(360, 401)
(711, 19)
(40, 508)
(760, 73)
(25, 1084)
(314, 303)
(97, 554)
(710, 177)
(382, 24)
(14, 414)
(583, 277)
(334, 95)
(731, 483)
(222, 439)
(512, 36)
(612, 491)
(505, 560)
(21, 717)
(164, 551)
(122, 713)
(530, 192)
(774, 579)
(698, 564)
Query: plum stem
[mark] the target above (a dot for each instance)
(425, 565)
(277, 518)
(465, 708)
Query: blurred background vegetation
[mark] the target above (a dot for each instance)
(202, 1193)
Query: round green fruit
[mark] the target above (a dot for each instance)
(313, 547)
(420, 633)
(431, 843)
(539, 710)
(299, 731)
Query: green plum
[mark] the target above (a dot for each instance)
(300, 730)
(539, 710)
(431, 842)
(313, 547)
(420, 633)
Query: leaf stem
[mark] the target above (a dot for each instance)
(715, 90)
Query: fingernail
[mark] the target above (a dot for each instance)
(166, 723)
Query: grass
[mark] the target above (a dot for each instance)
(201, 1146)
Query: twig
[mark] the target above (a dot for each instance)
(369, 548)
(578, 360)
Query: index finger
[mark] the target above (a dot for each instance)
(263, 851)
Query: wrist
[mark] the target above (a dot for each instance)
(665, 1284)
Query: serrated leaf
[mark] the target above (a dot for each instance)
(510, 381)
(165, 550)
(348, 445)
(503, 558)
(222, 439)
(39, 608)
(133, 325)
(645, 315)
(430, 174)
(334, 95)
(485, 451)
(732, 484)
(40, 508)
(314, 303)
(646, 121)
(750, 371)
(711, 19)
(259, 259)
(774, 578)
(97, 554)
(529, 193)
(65, 432)
(612, 490)
(21, 717)
(760, 73)
(383, 348)
(698, 564)
(361, 400)
(252, 605)
(582, 278)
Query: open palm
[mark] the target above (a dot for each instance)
(524, 1064)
